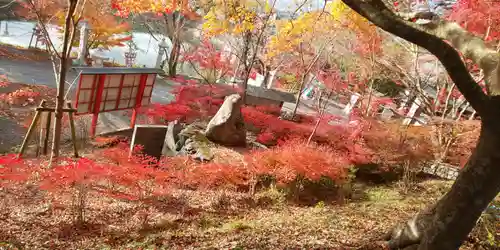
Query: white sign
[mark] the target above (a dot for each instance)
(411, 113)
(354, 99)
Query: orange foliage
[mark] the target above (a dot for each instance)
(43, 10)
(104, 25)
(24, 96)
(105, 28)
(462, 149)
(394, 144)
(286, 163)
(14, 170)
(191, 174)
(125, 7)
(4, 81)
(120, 177)
(295, 159)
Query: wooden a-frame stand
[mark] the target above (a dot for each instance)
(45, 131)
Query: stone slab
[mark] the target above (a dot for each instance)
(151, 137)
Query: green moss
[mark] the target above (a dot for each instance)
(203, 145)
(381, 194)
(238, 225)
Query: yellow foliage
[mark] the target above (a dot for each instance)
(156, 6)
(313, 26)
(337, 9)
(306, 28)
(232, 16)
(352, 20)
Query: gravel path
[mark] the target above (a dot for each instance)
(11, 134)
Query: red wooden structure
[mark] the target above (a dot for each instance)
(110, 89)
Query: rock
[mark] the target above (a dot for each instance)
(259, 145)
(252, 141)
(193, 142)
(189, 131)
(227, 127)
(171, 138)
(202, 156)
(286, 115)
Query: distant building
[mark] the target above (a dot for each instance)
(261, 95)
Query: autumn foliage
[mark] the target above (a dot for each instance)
(360, 141)
(124, 8)
(337, 146)
(290, 163)
(395, 144)
(211, 63)
(294, 159)
(106, 30)
(192, 101)
(479, 17)
(111, 173)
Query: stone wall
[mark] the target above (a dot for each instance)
(257, 101)
(443, 170)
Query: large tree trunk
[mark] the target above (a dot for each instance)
(478, 184)
(446, 225)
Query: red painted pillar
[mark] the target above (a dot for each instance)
(138, 99)
(97, 105)
(93, 126)
(134, 118)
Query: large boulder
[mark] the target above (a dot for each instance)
(227, 127)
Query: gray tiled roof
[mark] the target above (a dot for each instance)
(260, 92)
(271, 94)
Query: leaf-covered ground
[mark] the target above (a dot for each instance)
(17, 103)
(211, 220)
(17, 109)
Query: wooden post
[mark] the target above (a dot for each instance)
(73, 130)
(30, 129)
(39, 141)
(97, 105)
(47, 133)
(31, 39)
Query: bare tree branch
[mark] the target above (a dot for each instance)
(472, 47)
(376, 12)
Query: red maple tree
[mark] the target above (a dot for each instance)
(478, 16)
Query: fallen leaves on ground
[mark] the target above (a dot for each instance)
(188, 219)
(18, 100)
